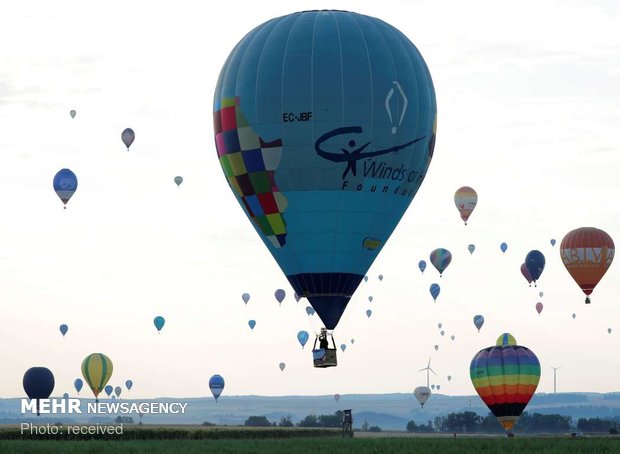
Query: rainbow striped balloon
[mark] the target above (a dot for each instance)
(505, 377)
(441, 258)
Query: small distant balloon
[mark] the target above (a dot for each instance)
(352, 341)
(432, 386)
(159, 322)
(453, 337)
(440, 258)
(128, 136)
(436, 347)
(128, 385)
(336, 397)
(465, 199)
(574, 315)
(434, 290)
(552, 242)
(178, 180)
(252, 324)
(471, 248)
(296, 296)
(302, 337)
(368, 313)
(63, 329)
(449, 377)
(539, 307)
(280, 295)
(535, 264)
(503, 247)
(72, 113)
(216, 385)
(609, 330)
(310, 310)
(380, 277)
(438, 387)
(422, 394)
(245, 297)
(343, 347)
(442, 332)
(478, 321)
(65, 396)
(370, 299)
(422, 265)
(282, 366)
(108, 390)
(439, 325)
(65, 184)
(365, 278)
(118, 390)
(77, 384)
(540, 294)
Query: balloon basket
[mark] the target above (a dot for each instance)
(325, 357)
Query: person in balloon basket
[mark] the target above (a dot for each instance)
(323, 339)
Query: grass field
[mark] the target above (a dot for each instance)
(181, 440)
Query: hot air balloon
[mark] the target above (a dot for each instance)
(587, 253)
(245, 297)
(471, 248)
(128, 136)
(108, 390)
(465, 199)
(65, 184)
(442, 332)
(38, 383)
(422, 394)
(302, 337)
(505, 377)
(539, 307)
(436, 347)
(503, 247)
(422, 266)
(552, 242)
(65, 396)
(478, 321)
(540, 294)
(608, 330)
(336, 397)
(63, 329)
(438, 387)
(365, 278)
(128, 385)
(296, 296)
(282, 366)
(380, 277)
(370, 299)
(449, 377)
(368, 313)
(439, 325)
(310, 310)
(159, 322)
(178, 180)
(97, 369)
(343, 347)
(433, 386)
(535, 264)
(118, 390)
(574, 315)
(77, 384)
(352, 341)
(72, 113)
(453, 337)
(346, 136)
(280, 295)
(216, 385)
(440, 259)
(434, 289)
(252, 324)
(526, 274)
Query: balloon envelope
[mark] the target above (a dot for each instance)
(118, 390)
(478, 321)
(63, 329)
(503, 247)
(465, 199)
(440, 259)
(343, 347)
(65, 184)
(159, 322)
(368, 313)
(296, 296)
(422, 265)
(216, 385)
(587, 253)
(370, 299)
(505, 376)
(38, 383)
(178, 180)
(97, 369)
(282, 366)
(128, 385)
(336, 397)
(539, 307)
(251, 324)
(72, 113)
(526, 273)
(346, 136)
(310, 310)
(128, 136)
(77, 384)
(245, 297)
(422, 394)
(552, 242)
(471, 248)
(380, 277)
(302, 337)
(535, 264)
(434, 289)
(280, 295)
(108, 390)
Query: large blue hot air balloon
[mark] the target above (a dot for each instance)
(159, 322)
(325, 127)
(78, 383)
(65, 185)
(38, 383)
(216, 385)
(535, 264)
(303, 337)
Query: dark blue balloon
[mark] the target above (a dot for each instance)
(38, 383)
(159, 322)
(108, 390)
(78, 383)
(65, 184)
(535, 264)
(63, 329)
(434, 289)
(128, 385)
(216, 384)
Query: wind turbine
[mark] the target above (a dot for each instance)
(554, 373)
(427, 369)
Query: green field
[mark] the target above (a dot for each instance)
(244, 440)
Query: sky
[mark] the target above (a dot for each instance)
(527, 97)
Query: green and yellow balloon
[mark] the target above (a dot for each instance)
(97, 369)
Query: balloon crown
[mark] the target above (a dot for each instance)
(505, 340)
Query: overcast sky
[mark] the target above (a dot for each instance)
(528, 98)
